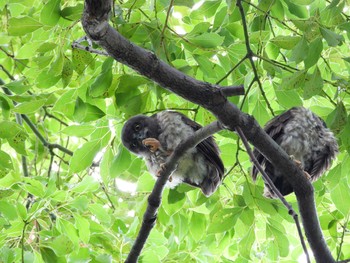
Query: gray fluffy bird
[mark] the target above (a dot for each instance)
(305, 137)
(154, 138)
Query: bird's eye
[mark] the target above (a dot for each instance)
(137, 127)
(133, 145)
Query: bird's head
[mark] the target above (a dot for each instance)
(137, 129)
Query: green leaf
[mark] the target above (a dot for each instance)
(22, 211)
(303, 2)
(84, 112)
(46, 47)
(8, 210)
(81, 60)
(29, 107)
(83, 227)
(202, 209)
(277, 231)
(50, 14)
(130, 82)
(87, 185)
(265, 5)
(260, 112)
(5, 161)
(220, 17)
(121, 162)
(224, 220)
(82, 202)
(246, 243)
(316, 46)
(208, 9)
(173, 202)
(198, 226)
(61, 245)
(297, 10)
(105, 165)
(18, 86)
(337, 119)
(294, 81)
(7, 255)
(27, 50)
(207, 40)
(34, 187)
(56, 66)
(300, 51)
(23, 25)
(288, 98)
(72, 13)
(48, 254)
(83, 157)
(66, 103)
(286, 42)
(9, 129)
(68, 229)
(100, 212)
(6, 193)
(340, 196)
(46, 80)
(103, 81)
(313, 85)
(131, 105)
(332, 38)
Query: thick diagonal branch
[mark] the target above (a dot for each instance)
(155, 197)
(208, 96)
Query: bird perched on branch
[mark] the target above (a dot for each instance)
(305, 137)
(154, 139)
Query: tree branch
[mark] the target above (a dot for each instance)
(250, 55)
(31, 125)
(96, 26)
(50, 146)
(155, 197)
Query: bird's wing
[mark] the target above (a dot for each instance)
(274, 128)
(321, 163)
(207, 147)
(322, 160)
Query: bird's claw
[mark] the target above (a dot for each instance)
(299, 164)
(152, 144)
(307, 175)
(161, 170)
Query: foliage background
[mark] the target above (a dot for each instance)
(88, 207)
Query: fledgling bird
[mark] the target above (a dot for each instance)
(305, 137)
(154, 138)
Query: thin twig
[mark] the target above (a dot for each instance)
(231, 70)
(275, 190)
(22, 240)
(250, 55)
(107, 195)
(50, 146)
(54, 117)
(89, 49)
(154, 199)
(342, 237)
(166, 22)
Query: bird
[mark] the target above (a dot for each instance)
(155, 137)
(305, 137)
